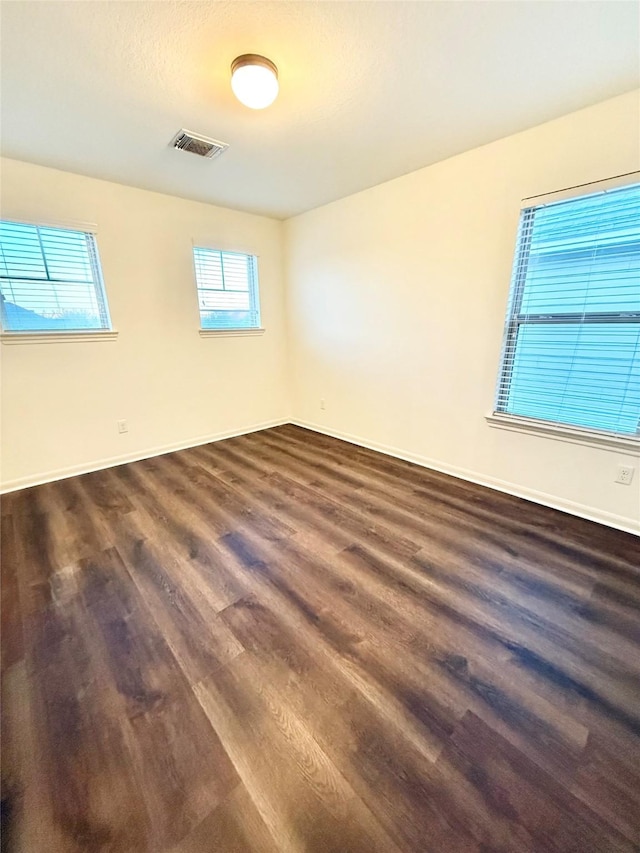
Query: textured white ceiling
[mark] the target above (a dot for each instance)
(368, 90)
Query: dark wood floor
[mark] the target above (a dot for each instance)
(283, 643)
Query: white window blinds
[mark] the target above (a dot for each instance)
(571, 352)
(50, 280)
(227, 285)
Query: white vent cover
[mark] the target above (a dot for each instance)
(198, 144)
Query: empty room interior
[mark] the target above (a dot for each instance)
(320, 426)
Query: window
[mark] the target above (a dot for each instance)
(571, 353)
(227, 289)
(50, 280)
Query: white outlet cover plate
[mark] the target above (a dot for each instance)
(625, 475)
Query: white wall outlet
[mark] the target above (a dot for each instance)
(123, 426)
(625, 474)
(322, 405)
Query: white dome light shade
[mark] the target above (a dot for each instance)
(254, 80)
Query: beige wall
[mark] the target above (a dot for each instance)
(396, 303)
(61, 401)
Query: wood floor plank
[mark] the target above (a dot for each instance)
(130, 759)
(186, 616)
(76, 526)
(539, 517)
(234, 826)
(187, 533)
(28, 822)
(546, 606)
(611, 550)
(477, 683)
(106, 492)
(608, 780)
(12, 638)
(477, 539)
(285, 642)
(302, 797)
(522, 794)
(90, 787)
(460, 503)
(340, 714)
(529, 645)
(398, 782)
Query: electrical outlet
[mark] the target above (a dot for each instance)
(122, 426)
(322, 405)
(625, 474)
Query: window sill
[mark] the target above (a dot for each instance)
(57, 337)
(559, 432)
(229, 333)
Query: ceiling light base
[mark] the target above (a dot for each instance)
(254, 59)
(254, 80)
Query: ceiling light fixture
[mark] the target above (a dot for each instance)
(254, 80)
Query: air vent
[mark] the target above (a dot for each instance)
(197, 144)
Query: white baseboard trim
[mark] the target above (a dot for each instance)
(620, 522)
(573, 508)
(100, 464)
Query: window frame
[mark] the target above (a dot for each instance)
(254, 293)
(81, 334)
(574, 433)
